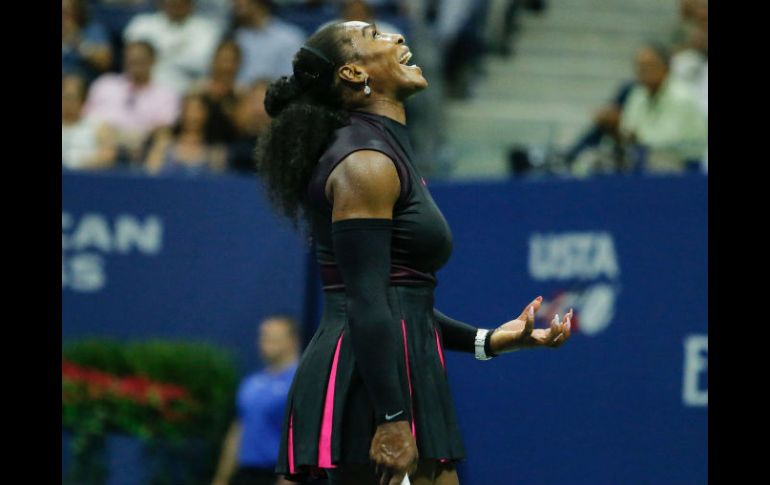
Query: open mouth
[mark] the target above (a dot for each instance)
(405, 58)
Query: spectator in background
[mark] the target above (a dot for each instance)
(251, 121)
(85, 143)
(220, 92)
(85, 44)
(268, 44)
(184, 42)
(250, 449)
(216, 10)
(690, 63)
(600, 148)
(132, 103)
(187, 148)
(458, 29)
(662, 120)
(689, 10)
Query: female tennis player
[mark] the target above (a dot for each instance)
(370, 400)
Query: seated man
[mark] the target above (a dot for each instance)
(132, 103)
(268, 44)
(662, 120)
(184, 42)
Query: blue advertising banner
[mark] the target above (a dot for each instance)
(198, 259)
(625, 400)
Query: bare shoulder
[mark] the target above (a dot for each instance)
(364, 184)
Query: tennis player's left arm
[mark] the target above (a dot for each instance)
(510, 336)
(456, 335)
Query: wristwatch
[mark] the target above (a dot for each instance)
(481, 339)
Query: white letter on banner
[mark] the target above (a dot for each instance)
(695, 362)
(145, 237)
(580, 255)
(92, 231)
(85, 273)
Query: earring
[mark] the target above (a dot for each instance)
(367, 89)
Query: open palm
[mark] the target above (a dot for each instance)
(521, 332)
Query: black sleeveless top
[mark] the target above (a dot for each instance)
(421, 241)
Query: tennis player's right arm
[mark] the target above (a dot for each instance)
(364, 190)
(365, 187)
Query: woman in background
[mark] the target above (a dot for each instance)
(251, 121)
(187, 148)
(220, 92)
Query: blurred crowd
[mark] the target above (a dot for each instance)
(658, 121)
(177, 86)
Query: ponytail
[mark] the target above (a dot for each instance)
(305, 109)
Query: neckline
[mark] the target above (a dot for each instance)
(367, 113)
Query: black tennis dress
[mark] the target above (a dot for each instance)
(329, 418)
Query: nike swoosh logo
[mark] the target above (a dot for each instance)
(388, 417)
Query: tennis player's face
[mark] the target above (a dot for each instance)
(385, 58)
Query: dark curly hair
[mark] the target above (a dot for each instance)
(305, 109)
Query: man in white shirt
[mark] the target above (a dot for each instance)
(184, 42)
(663, 115)
(268, 44)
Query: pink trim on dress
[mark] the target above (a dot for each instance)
(325, 439)
(408, 374)
(438, 346)
(291, 443)
(441, 356)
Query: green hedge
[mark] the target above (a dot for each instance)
(207, 374)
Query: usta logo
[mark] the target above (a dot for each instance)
(588, 262)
